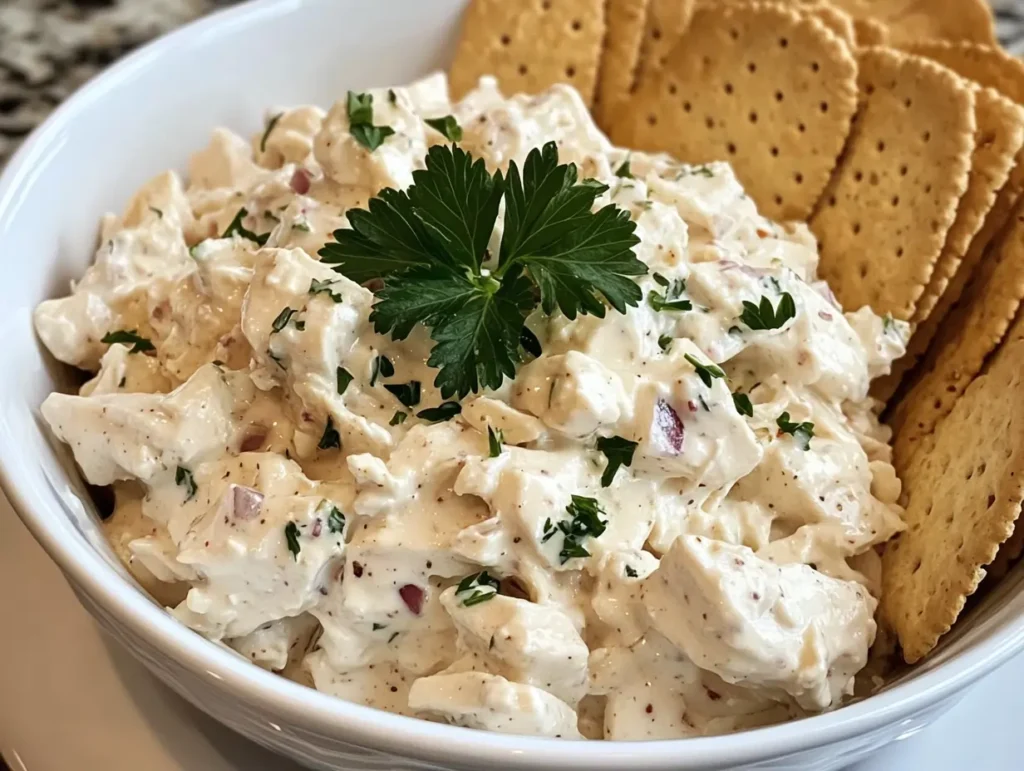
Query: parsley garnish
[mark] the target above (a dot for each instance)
(266, 133)
(360, 122)
(291, 535)
(549, 531)
(442, 412)
(331, 437)
(236, 226)
(382, 367)
(447, 126)
(888, 323)
(802, 432)
(494, 441)
(282, 319)
(483, 586)
(377, 627)
(619, 452)
(624, 170)
(158, 212)
(665, 342)
(765, 317)
(670, 300)
(743, 405)
(428, 244)
(130, 337)
(706, 372)
(586, 521)
(398, 418)
(407, 393)
(630, 573)
(344, 378)
(317, 287)
(183, 478)
(529, 342)
(335, 518)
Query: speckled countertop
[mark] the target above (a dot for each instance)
(50, 47)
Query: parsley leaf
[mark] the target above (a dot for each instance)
(138, 343)
(743, 405)
(802, 432)
(448, 126)
(429, 243)
(586, 521)
(665, 342)
(398, 418)
(764, 316)
(236, 227)
(630, 572)
(382, 367)
(331, 438)
(270, 127)
(183, 478)
(494, 441)
(324, 287)
(482, 585)
(706, 372)
(282, 319)
(360, 122)
(442, 412)
(344, 379)
(619, 452)
(335, 518)
(624, 170)
(670, 301)
(291, 536)
(407, 393)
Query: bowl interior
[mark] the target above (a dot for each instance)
(148, 114)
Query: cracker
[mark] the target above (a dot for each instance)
(988, 65)
(626, 20)
(836, 20)
(998, 138)
(883, 220)
(870, 32)
(530, 46)
(764, 87)
(964, 339)
(913, 20)
(962, 499)
(667, 20)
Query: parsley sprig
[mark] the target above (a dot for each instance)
(706, 372)
(479, 587)
(670, 301)
(801, 432)
(585, 520)
(138, 343)
(428, 245)
(360, 122)
(764, 316)
(619, 452)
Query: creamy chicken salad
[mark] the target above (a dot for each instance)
(652, 516)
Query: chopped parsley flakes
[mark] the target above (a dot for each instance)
(494, 441)
(183, 478)
(801, 432)
(670, 301)
(398, 418)
(344, 379)
(360, 122)
(585, 520)
(138, 343)
(324, 287)
(624, 171)
(706, 372)
(442, 412)
(235, 227)
(743, 405)
(331, 438)
(382, 367)
(266, 133)
(619, 452)
(764, 316)
(407, 393)
(291, 536)
(480, 587)
(282, 319)
(448, 126)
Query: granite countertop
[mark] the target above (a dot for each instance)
(48, 48)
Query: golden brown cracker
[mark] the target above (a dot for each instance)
(762, 86)
(626, 20)
(883, 220)
(987, 65)
(667, 20)
(913, 20)
(870, 32)
(964, 339)
(962, 498)
(530, 46)
(836, 20)
(998, 137)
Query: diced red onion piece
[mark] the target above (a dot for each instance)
(246, 502)
(669, 424)
(412, 596)
(317, 528)
(300, 181)
(254, 438)
(727, 265)
(825, 315)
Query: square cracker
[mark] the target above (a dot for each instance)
(626, 21)
(963, 494)
(530, 45)
(964, 340)
(912, 20)
(667, 20)
(998, 138)
(761, 85)
(883, 220)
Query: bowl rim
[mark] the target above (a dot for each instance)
(366, 727)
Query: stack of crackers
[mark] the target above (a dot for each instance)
(895, 129)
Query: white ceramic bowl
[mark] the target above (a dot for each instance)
(146, 114)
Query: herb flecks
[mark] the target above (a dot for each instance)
(138, 343)
(495, 439)
(801, 432)
(266, 133)
(382, 367)
(331, 438)
(291, 537)
(764, 316)
(477, 588)
(671, 300)
(344, 380)
(440, 413)
(285, 316)
(324, 287)
(183, 478)
(360, 122)
(448, 126)
(235, 227)
(743, 405)
(624, 171)
(585, 520)
(428, 244)
(706, 372)
(407, 393)
(619, 452)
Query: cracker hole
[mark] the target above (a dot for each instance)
(778, 96)
(895, 200)
(709, 122)
(856, 228)
(655, 34)
(505, 40)
(801, 128)
(869, 88)
(751, 68)
(522, 69)
(881, 146)
(570, 72)
(815, 67)
(687, 106)
(673, 89)
(783, 42)
(823, 106)
(831, 200)
(546, 5)
(917, 566)
(907, 102)
(858, 176)
(927, 189)
(799, 178)
(778, 200)
(728, 88)
(731, 148)
(753, 117)
(903, 170)
(863, 270)
(873, 178)
(577, 25)
(899, 252)
(734, 33)
(775, 152)
(652, 120)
